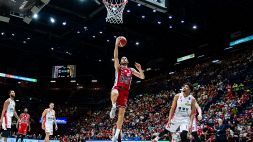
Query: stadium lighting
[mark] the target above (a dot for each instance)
(35, 16)
(52, 20)
(194, 27)
(216, 61)
(94, 81)
(171, 73)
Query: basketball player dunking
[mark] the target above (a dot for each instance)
(120, 90)
(181, 114)
(7, 113)
(48, 120)
(23, 125)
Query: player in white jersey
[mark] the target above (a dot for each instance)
(181, 114)
(7, 113)
(48, 120)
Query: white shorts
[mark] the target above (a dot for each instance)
(6, 122)
(49, 128)
(178, 122)
(194, 125)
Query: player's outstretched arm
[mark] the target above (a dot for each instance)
(173, 107)
(139, 73)
(16, 115)
(42, 118)
(56, 127)
(193, 109)
(6, 103)
(199, 110)
(116, 54)
(44, 114)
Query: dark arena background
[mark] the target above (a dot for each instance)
(62, 51)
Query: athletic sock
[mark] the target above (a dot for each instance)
(114, 105)
(117, 133)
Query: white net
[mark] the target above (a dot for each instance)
(115, 10)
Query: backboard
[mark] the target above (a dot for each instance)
(158, 5)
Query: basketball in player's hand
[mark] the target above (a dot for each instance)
(122, 41)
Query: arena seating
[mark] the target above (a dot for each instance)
(223, 90)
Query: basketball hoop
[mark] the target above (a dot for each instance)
(115, 10)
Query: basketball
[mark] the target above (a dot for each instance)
(122, 41)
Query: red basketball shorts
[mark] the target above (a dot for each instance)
(123, 96)
(22, 128)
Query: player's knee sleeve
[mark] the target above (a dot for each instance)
(183, 136)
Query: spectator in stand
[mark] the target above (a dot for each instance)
(221, 131)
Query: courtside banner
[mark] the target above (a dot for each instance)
(61, 120)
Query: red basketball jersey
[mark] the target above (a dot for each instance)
(24, 118)
(123, 78)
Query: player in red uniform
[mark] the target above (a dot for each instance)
(120, 90)
(23, 125)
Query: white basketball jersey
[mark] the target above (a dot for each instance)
(11, 108)
(183, 108)
(50, 116)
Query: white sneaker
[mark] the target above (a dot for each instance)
(112, 112)
(114, 139)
